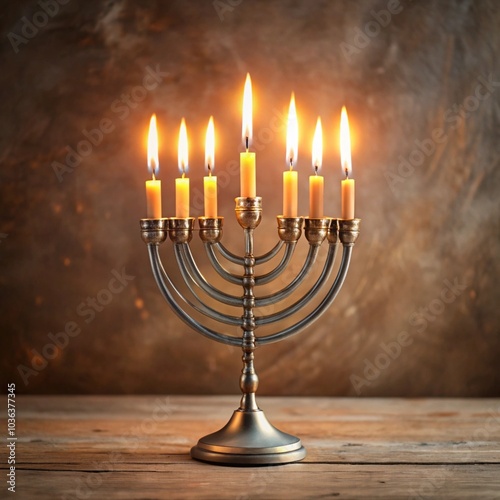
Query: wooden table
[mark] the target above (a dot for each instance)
(100, 447)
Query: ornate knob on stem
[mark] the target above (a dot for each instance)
(249, 381)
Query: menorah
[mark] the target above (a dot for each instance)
(249, 438)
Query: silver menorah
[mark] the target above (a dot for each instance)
(249, 438)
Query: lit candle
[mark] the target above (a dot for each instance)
(210, 181)
(247, 159)
(345, 160)
(316, 187)
(153, 187)
(182, 183)
(290, 177)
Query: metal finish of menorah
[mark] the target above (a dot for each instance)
(248, 438)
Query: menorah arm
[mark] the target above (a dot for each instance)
(320, 309)
(266, 257)
(212, 257)
(261, 259)
(270, 276)
(259, 280)
(160, 277)
(285, 292)
(199, 306)
(189, 263)
(296, 306)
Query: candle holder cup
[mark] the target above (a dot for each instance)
(248, 438)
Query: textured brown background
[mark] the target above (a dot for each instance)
(437, 221)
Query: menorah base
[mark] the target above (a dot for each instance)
(249, 439)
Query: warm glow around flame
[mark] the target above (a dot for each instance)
(317, 149)
(345, 144)
(183, 148)
(292, 134)
(210, 145)
(246, 130)
(153, 163)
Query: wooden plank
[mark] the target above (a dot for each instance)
(153, 449)
(293, 481)
(138, 447)
(336, 430)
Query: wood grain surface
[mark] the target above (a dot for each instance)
(421, 86)
(104, 447)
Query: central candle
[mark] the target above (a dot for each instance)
(182, 183)
(316, 186)
(247, 159)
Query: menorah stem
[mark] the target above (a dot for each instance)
(248, 438)
(249, 380)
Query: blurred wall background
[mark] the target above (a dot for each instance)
(419, 312)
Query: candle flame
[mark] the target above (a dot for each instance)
(247, 112)
(210, 145)
(292, 134)
(317, 147)
(153, 163)
(183, 148)
(345, 143)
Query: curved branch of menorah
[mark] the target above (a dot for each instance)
(156, 267)
(263, 279)
(198, 278)
(249, 438)
(261, 259)
(259, 280)
(318, 311)
(308, 296)
(285, 292)
(200, 306)
(221, 270)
